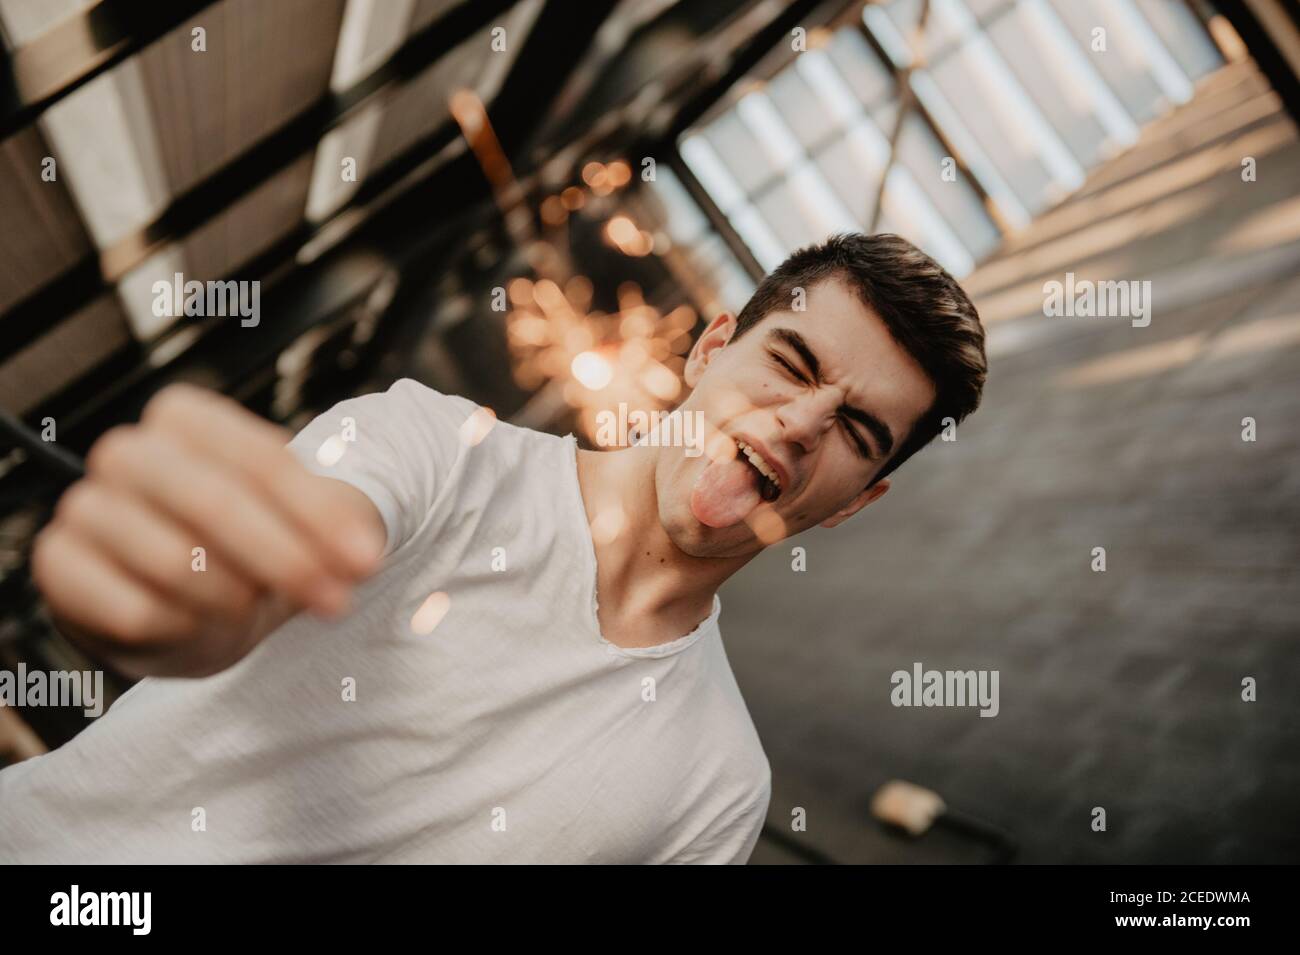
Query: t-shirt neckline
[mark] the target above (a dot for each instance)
(590, 576)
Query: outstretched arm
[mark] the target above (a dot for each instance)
(119, 565)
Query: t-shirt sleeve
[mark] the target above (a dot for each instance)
(398, 447)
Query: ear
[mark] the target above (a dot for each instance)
(868, 495)
(714, 338)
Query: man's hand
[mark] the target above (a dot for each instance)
(118, 563)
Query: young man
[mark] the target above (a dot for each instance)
(475, 701)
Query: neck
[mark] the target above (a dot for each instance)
(641, 575)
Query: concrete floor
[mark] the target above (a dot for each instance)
(1119, 689)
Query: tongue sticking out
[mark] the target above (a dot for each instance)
(724, 493)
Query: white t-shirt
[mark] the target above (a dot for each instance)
(510, 732)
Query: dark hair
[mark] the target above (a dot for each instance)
(924, 308)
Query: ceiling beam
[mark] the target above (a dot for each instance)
(552, 49)
(70, 54)
(99, 272)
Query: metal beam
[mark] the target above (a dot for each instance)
(552, 51)
(717, 218)
(759, 45)
(73, 52)
(553, 46)
(99, 272)
(949, 147)
(798, 13)
(1269, 28)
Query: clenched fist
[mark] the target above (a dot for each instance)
(117, 563)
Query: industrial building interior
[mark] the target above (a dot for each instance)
(537, 204)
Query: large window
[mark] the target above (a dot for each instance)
(950, 122)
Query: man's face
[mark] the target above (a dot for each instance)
(822, 396)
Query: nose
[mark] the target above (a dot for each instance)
(807, 416)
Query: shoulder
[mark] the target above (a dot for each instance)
(405, 411)
(419, 395)
(412, 403)
(403, 447)
(471, 424)
(409, 424)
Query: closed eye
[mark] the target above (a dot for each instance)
(790, 369)
(860, 444)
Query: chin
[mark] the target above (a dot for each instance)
(685, 530)
(699, 540)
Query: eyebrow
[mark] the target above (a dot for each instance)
(879, 430)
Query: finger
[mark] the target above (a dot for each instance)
(242, 442)
(221, 511)
(93, 593)
(150, 546)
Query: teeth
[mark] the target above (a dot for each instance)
(756, 459)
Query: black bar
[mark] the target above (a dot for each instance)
(928, 906)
